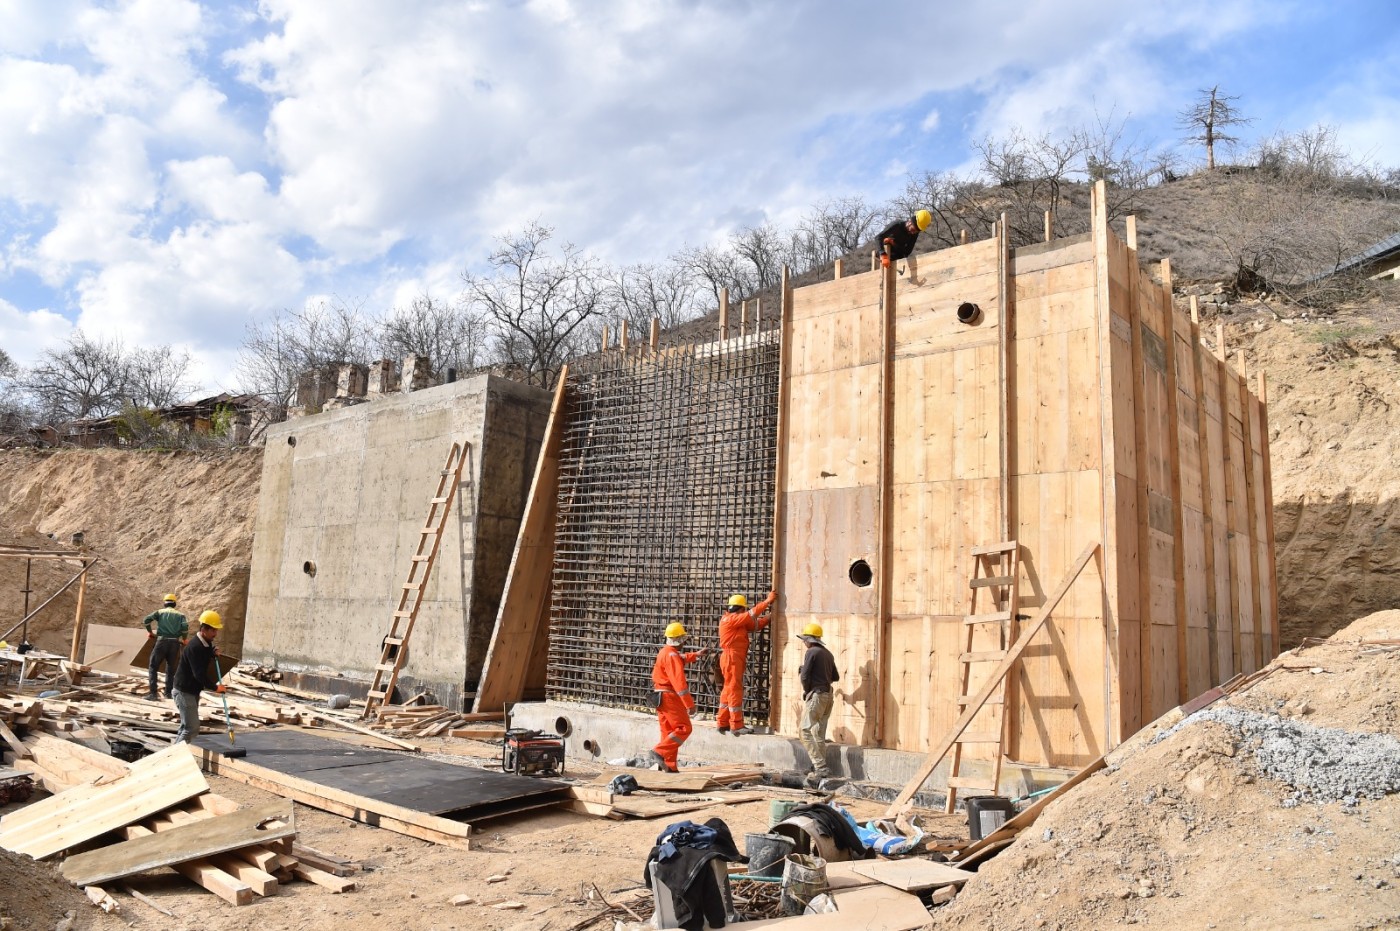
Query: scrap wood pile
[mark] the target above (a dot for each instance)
(661, 794)
(420, 720)
(111, 821)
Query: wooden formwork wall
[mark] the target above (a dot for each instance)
(1081, 408)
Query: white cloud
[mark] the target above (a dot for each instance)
(24, 334)
(929, 123)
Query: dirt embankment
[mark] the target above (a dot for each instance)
(159, 521)
(1334, 426)
(1275, 808)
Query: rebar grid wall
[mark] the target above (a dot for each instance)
(665, 508)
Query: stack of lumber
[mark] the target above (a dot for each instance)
(437, 721)
(163, 814)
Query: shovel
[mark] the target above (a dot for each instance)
(232, 752)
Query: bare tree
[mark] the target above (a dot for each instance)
(7, 365)
(159, 377)
(831, 229)
(717, 269)
(639, 293)
(1208, 120)
(82, 378)
(447, 333)
(278, 350)
(536, 301)
(1030, 177)
(947, 198)
(765, 250)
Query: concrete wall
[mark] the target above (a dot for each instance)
(345, 495)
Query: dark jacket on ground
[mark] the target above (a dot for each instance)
(818, 670)
(683, 853)
(835, 826)
(192, 675)
(904, 240)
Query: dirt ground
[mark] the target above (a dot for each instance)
(1196, 832)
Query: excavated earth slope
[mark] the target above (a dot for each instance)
(1274, 808)
(159, 521)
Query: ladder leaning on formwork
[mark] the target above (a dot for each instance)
(997, 571)
(394, 648)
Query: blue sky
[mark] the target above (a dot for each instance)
(173, 171)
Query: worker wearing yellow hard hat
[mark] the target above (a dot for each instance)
(818, 674)
(169, 632)
(735, 627)
(192, 676)
(672, 696)
(897, 242)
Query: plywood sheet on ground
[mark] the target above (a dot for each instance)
(913, 875)
(869, 908)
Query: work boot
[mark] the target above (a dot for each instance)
(152, 696)
(812, 781)
(723, 729)
(657, 761)
(741, 731)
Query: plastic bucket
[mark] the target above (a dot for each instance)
(767, 852)
(779, 809)
(804, 878)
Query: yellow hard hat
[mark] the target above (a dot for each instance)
(738, 601)
(922, 219)
(812, 629)
(171, 599)
(212, 619)
(675, 630)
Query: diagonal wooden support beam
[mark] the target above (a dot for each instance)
(991, 684)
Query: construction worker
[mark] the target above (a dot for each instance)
(818, 674)
(897, 242)
(734, 629)
(192, 676)
(171, 629)
(673, 699)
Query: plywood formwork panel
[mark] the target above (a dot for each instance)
(1242, 595)
(1263, 505)
(1217, 467)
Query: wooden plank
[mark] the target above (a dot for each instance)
(195, 841)
(990, 684)
(1142, 488)
(103, 638)
(634, 807)
(1271, 565)
(1207, 511)
(520, 623)
(1008, 831)
(866, 908)
(884, 562)
(1251, 512)
(780, 480)
(203, 874)
(347, 804)
(1183, 656)
(661, 782)
(79, 814)
(913, 874)
(20, 750)
(335, 884)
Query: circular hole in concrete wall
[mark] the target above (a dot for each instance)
(592, 747)
(562, 727)
(860, 574)
(969, 313)
(309, 568)
(291, 441)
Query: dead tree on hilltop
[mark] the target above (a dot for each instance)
(536, 303)
(1207, 119)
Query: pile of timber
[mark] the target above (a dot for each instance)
(115, 820)
(663, 794)
(438, 721)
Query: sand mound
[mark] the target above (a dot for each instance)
(161, 521)
(1274, 808)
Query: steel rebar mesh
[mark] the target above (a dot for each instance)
(666, 491)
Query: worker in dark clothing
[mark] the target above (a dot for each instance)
(734, 629)
(192, 675)
(818, 674)
(171, 629)
(897, 242)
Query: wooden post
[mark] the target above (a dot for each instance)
(1207, 510)
(622, 336)
(962, 238)
(758, 315)
(1268, 501)
(1251, 510)
(605, 337)
(780, 466)
(1178, 505)
(1130, 222)
(1049, 225)
(78, 626)
(837, 268)
(654, 338)
(723, 313)
(874, 261)
(1232, 493)
(743, 317)
(1143, 489)
(885, 540)
(1006, 300)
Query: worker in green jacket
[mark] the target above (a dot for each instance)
(171, 629)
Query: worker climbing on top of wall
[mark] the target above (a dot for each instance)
(897, 242)
(171, 629)
(734, 629)
(672, 695)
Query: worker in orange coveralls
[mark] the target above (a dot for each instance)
(734, 629)
(673, 699)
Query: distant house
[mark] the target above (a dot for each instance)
(1380, 262)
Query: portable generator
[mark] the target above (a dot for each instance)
(532, 753)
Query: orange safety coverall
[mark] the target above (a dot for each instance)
(668, 678)
(734, 630)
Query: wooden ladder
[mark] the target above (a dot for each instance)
(394, 648)
(997, 571)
